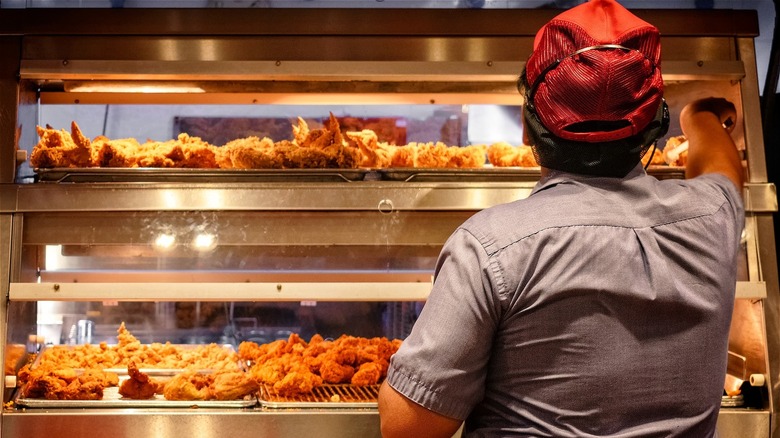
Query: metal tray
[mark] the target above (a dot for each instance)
(482, 174)
(112, 399)
(155, 175)
(732, 401)
(164, 175)
(324, 396)
(496, 174)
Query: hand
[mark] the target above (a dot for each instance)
(710, 147)
(723, 109)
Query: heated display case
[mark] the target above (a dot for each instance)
(196, 256)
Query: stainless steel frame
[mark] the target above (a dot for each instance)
(332, 56)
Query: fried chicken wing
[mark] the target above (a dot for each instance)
(138, 386)
(58, 148)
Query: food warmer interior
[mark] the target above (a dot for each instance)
(188, 255)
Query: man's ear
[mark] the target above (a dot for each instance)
(524, 127)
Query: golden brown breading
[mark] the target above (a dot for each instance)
(321, 148)
(404, 156)
(129, 348)
(368, 373)
(188, 386)
(123, 152)
(182, 152)
(505, 155)
(57, 149)
(373, 153)
(232, 386)
(249, 153)
(654, 156)
(468, 157)
(52, 383)
(139, 386)
(680, 159)
(293, 366)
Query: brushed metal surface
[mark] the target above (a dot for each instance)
(367, 195)
(200, 423)
(739, 423)
(736, 423)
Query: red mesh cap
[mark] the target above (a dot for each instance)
(596, 62)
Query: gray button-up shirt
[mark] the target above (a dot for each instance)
(595, 307)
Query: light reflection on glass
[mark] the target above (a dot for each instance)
(165, 241)
(204, 242)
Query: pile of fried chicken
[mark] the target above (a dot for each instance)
(286, 367)
(129, 349)
(293, 366)
(325, 148)
(51, 382)
(204, 372)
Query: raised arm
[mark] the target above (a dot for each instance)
(710, 146)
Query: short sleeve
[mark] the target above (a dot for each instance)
(442, 364)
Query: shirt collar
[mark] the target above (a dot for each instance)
(555, 177)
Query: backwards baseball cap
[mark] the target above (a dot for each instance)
(594, 74)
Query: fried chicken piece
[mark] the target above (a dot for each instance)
(116, 153)
(139, 386)
(268, 372)
(468, 157)
(250, 351)
(300, 380)
(58, 148)
(52, 383)
(183, 152)
(505, 155)
(14, 355)
(404, 156)
(188, 386)
(368, 373)
(676, 159)
(321, 148)
(373, 153)
(654, 156)
(438, 156)
(334, 372)
(75, 390)
(432, 155)
(105, 378)
(232, 386)
(249, 153)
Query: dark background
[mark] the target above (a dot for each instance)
(771, 115)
